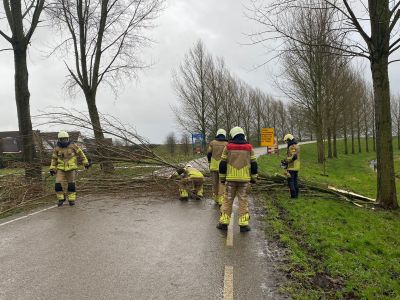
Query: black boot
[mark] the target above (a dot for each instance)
(60, 203)
(222, 226)
(245, 228)
(184, 198)
(71, 203)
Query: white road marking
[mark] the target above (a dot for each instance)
(28, 215)
(228, 283)
(229, 236)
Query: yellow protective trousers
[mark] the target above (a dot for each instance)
(240, 190)
(195, 184)
(218, 188)
(69, 178)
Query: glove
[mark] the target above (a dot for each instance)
(87, 166)
(52, 172)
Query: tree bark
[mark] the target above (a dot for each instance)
(352, 138)
(386, 188)
(329, 136)
(379, 49)
(105, 164)
(346, 146)
(335, 155)
(320, 144)
(22, 97)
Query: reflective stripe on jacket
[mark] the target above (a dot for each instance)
(66, 159)
(241, 165)
(216, 148)
(293, 157)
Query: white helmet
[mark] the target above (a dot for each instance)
(188, 166)
(63, 135)
(235, 131)
(288, 137)
(221, 131)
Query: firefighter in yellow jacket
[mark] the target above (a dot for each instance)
(292, 162)
(190, 179)
(238, 168)
(64, 163)
(214, 153)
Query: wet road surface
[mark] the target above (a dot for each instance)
(114, 247)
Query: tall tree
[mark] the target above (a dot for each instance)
(191, 87)
(104, 37)
(23, 18)
(379, 41)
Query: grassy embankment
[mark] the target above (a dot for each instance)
(335, 249)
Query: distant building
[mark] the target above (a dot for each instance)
(10, 141)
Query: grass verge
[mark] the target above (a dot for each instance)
(335, 250)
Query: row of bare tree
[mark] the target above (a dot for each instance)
(211, 97)
(339, 106)
(99, 43)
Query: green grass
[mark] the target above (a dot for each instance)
(335, 250)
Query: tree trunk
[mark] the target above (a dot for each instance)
(346, 147)
(359, 137)
(22, 97)
(352, 139)
(105, 162)
(320, 144)
(386, 189)
(329, 136)
(373, 133)
(398, 135)
(366, 138)
(335, 155)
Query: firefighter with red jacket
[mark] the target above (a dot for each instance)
(214, 153)
(238, 168)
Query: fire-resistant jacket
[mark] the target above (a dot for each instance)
(214, 153)
(66, 158)
(238, 162)
(190, 173)
(293, 157)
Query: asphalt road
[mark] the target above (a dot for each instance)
(114, 247)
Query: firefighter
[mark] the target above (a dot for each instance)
(64, 163)
(238, 168)
(190, 179)
(293, 164)
(214, 153)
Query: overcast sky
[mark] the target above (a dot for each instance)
(145, 104)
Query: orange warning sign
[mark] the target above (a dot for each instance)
(267, 137)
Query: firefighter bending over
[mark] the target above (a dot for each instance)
(191, 179)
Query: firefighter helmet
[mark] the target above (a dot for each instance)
(288, 137)
(221, 131)
(235, 131)
(63, 135)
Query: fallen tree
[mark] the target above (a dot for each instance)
(273, 182)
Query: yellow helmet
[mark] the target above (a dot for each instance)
(288, 137)
(221, 131)
(235, 131)
(63, 135)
